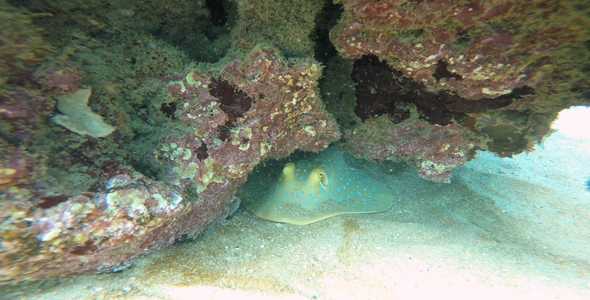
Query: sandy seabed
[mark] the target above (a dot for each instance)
(503, 229)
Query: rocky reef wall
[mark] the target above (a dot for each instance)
(501, 70)
(200, 92)
(185, 137)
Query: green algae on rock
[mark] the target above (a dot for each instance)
(312, 187)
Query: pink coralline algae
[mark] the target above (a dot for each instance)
(405, 121)
(13, 168)
(433, 150)
(261, 107)
(94, 232)
(59, 80)
(467, 68)
(22, 109)
(477, 49)
(254, 109)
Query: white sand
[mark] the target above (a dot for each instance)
(503, 229)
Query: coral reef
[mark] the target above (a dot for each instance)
(260, 107)
(434, 150)
(425, 82)
(97, 232)
(402, 120)
(478, 49)
(21, 110)
(58, 79)
(264, 106)
(379, 88)
(22, 49)
(492, 68)
(181, 146)
(286, 24)
(21, 46)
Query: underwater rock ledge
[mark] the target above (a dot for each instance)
(260, 107)
(184, 145)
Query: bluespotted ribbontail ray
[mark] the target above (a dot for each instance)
(311, 188)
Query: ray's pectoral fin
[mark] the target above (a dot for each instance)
(313, 188)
